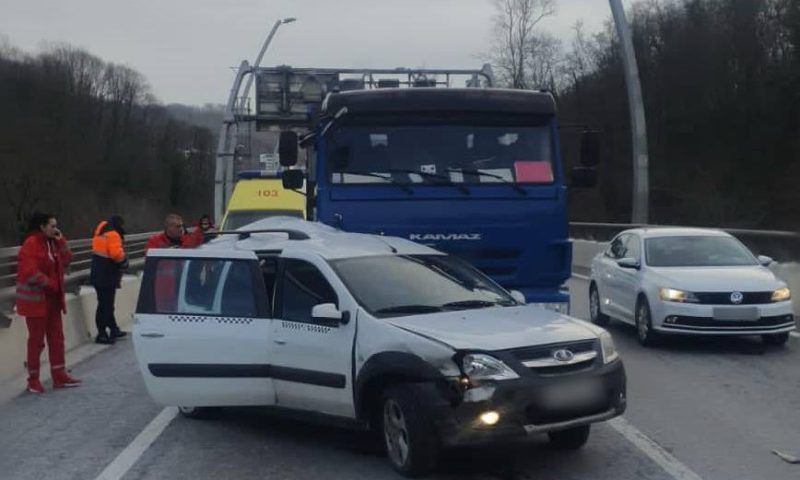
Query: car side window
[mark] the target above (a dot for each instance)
(633, 247)
(618, 249)
(303, 287)
(198, 286)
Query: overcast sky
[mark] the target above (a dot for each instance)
(185, 48)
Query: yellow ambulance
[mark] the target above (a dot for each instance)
(257, 195)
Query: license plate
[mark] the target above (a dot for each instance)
(744, 314)
(571, 395)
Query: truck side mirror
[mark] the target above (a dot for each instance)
(287, 148)
(584, 177)
(590, 148)
(293, 179)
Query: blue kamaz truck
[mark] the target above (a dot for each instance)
(474, 171)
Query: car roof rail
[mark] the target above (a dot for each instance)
(244, 234)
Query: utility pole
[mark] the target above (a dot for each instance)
(641, 160)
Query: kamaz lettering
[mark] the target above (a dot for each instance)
(438, 237)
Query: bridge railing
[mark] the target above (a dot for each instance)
(77, 273)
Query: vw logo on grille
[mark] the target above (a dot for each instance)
(736, 298)
(563, 355)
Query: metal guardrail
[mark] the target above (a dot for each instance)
(780, 245)
(77, 273)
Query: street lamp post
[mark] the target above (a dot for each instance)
(261, 54)
(641, 185)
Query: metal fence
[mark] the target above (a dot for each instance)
(780, 245)
(78, 272)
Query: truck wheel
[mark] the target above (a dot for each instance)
(776, 339)
(595, 313)
(198, 412)
(570, 439)
(410, 439)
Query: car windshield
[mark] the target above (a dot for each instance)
(396, 285)
(436, 154)
(697, 251)
(241, 218)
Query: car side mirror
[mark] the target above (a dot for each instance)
(765, 260)
(293, 179)
(584, 177)
(518, 296)
(329, 311)
(590, 148)
(631, 263)
(287, 148)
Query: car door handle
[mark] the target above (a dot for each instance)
(279, 341)
(152, 335)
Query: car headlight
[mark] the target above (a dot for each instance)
(610, 352)
(673, 295)
(478, 366)
(781, 294)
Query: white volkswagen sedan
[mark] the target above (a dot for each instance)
(688, 281)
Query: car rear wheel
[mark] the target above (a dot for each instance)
(776, 339)
(410, 439)
(644, 324)
(570, 439)
(595, 313)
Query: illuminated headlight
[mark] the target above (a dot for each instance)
(781, 294)
(609, 350)
(560, 307)
(478, 366)
(673, 295)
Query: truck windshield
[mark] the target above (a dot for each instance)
(397, 285)
(435, 154)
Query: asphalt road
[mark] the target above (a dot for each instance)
(711, 409)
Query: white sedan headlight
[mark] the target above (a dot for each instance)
(674, 295)
(478, 366)
(610, 352)
(781, 294)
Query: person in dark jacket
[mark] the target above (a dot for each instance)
(108, 262)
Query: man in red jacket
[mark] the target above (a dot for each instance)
(40, 298)
(175, 235)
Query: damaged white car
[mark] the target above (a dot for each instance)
(371, 331)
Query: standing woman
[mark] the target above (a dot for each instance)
(40, 298)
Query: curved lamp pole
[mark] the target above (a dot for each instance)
(264, 47)
(641, 160)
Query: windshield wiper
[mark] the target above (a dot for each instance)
(410, 309)
(446, 180)
(404, 186)
(513, 185)
(467, 304)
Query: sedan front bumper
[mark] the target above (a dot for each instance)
(696, 319)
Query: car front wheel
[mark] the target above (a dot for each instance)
(570, 439)
(644, 324)
(410, 439)
(776, 339)
(198, 412)
(595, 313)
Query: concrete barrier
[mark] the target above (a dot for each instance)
(79, 327)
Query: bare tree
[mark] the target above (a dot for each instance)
(515, 27)
(543, 62)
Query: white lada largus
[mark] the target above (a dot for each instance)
(371, 331)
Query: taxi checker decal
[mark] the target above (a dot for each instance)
(308, 327)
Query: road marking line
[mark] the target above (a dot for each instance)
(125, 460)
(794, 334)
(654, 451)
(582, 277)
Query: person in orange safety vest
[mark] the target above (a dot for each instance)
(41, 261)
(108, 261)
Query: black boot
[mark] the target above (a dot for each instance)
(117, 333)
(104, 339)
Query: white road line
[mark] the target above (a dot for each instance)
(125, 460)
(795, 334)
(654, 451)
